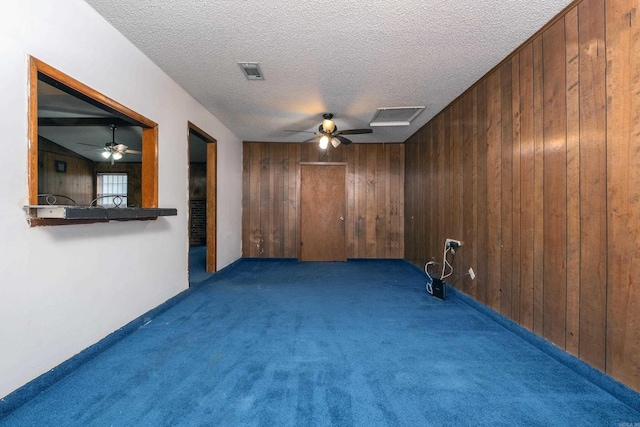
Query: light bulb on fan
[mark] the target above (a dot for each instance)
(328, 125)
(324, 142)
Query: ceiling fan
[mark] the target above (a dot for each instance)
(112, 150)
(328, 132)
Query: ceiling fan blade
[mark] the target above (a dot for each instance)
(132, 152)
(120, 147)
(354, 131)
(90, 145)
(298, 131)
(343, 140)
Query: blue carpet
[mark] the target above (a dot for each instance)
(197, 265)
(298, 344)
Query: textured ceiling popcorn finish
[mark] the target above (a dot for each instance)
(344, 57)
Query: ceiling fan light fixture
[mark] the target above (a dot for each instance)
(335, 142)
(106, 154)
(324, 142)
(117, 155)
(328, 125)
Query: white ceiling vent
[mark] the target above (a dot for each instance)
(251, 70)
(395, 116)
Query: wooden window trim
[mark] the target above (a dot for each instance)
(149, 130)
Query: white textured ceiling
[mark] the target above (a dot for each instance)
(344, 57)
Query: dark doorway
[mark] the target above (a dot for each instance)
(202, 204)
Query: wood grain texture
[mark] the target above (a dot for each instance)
(212, 203)
(555, 184)
(623, 191)
(538, 188)
(515, 189)
(469, 185)
(527, 203)
(322, 211)
(506, 190)
(32, 178)
(494, 190)
(78, 180)
(482, 202)
(375, 179)
(550, 142)
(572, 58)
(593, 184)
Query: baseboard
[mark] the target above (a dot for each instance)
(595, 376)
(20, 396)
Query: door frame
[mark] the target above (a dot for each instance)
(212, 168)
(299, 207)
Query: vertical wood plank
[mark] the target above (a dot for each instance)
(506, 189)
(538, 189)
(396, 199)
(371, 202)
(293, 194)
(555, 184)
(361, 201)
(382, 209)
(494, 186)
(469, 219)
(429, 197)
(447, 191)
(278, 201)
(460, 262)
(516, 224)
(397, 183)
(270, 231)
(623, 190)
(265, 197)
(593, 183)
(572, 56)
(441, 178)
(482, 200)
(351, 198)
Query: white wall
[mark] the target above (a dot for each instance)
(56, 297)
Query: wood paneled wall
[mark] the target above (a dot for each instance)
(537, 169)
(76, 182)
(375, 197)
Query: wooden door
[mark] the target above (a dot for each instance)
(322, 212)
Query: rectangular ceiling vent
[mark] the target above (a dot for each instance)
(251, 70)
(395, 116)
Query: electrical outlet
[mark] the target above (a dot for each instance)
(471, 273)
(451, 243)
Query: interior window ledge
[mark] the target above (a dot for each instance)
(61, 215)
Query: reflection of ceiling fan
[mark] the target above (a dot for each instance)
(328, 132)
(115, 151)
